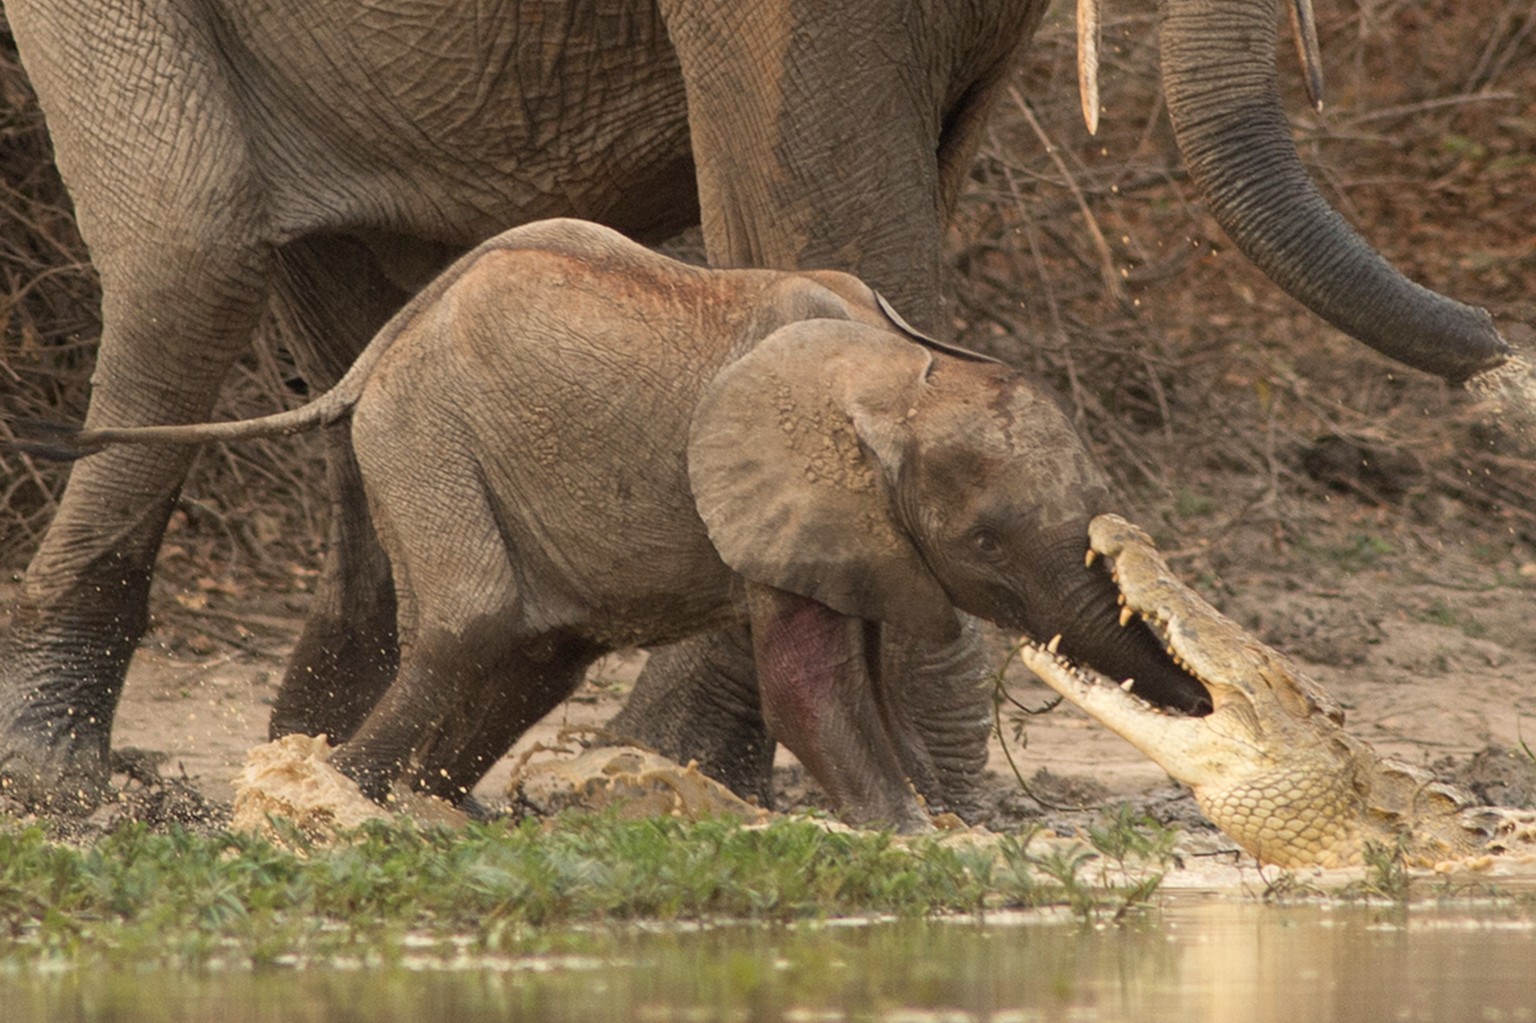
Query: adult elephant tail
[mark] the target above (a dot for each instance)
(1220, 80)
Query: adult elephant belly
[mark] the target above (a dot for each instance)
(406, 120)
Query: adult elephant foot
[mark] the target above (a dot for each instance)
(61, 673)
(53, 757)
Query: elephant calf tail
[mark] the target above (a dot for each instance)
(63, 443)
(57, 442)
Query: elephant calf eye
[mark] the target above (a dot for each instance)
(987, 544)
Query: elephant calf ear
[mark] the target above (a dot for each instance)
(792, 456)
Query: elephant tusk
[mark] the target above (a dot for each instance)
(1088, 60)
(1304, 28)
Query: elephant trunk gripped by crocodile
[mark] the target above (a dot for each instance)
(1220, 80)
(1086, 616)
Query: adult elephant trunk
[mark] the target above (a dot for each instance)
(1219, 77)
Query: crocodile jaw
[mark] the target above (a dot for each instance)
(1292, 811)
(1270, 765)
(1188, 748)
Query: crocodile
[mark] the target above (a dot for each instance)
(1271, 764)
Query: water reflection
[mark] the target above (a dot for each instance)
(1222, 962)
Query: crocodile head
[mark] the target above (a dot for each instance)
(1271, 764)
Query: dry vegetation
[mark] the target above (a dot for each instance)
(1198, 380)
(1209, 394)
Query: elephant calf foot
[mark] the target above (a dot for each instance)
(373, 775)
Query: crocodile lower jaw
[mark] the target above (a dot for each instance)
(1179, 744)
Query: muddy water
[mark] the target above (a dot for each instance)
(1190, 960)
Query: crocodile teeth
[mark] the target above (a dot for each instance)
(1054, 643)
(1126, 614)
(1090, 557)
(1126, 685)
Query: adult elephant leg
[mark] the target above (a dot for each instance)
(698, 700)
(172, 331)
(837, 136)
(794, 172)
(331, 300)
(174, 221)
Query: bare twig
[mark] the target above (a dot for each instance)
(1106, 260)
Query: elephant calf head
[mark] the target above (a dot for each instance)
(890, 482)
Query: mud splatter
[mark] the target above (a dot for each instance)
(634, 782)
(292, 778)
(1508, 391)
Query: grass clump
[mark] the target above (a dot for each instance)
(182, 899)
(1133, 853)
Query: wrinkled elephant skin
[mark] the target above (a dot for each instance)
(747, 445)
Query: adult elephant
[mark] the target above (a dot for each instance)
(324, 159)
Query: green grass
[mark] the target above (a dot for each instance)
(1363, 551)
(137, 897)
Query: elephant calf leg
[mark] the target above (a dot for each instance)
(457, 705)
(331, 297)
(493, 708)
(819, 700)
(698, 700)
(348, 653)
(939, 700)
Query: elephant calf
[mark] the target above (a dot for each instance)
(571, 444)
